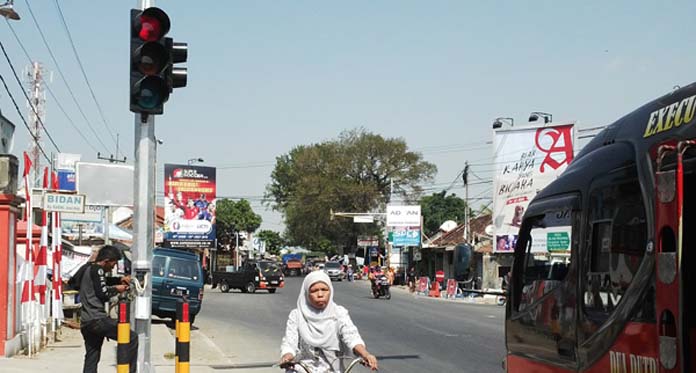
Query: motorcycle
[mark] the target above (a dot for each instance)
(380, 287)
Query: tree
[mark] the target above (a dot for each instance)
(352, 173)
(274, 242)
(234, 217)
(438, 208)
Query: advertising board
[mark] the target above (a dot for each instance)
(526, 160)
(189, 206)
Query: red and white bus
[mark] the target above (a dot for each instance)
(622, 298)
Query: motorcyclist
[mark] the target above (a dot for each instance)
(349, 273)
(375, 272)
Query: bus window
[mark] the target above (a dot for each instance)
(543, 291)
(547, 256)
(617, 240)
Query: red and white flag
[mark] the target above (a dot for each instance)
(27, 269)
(41, 258)
(57, 308)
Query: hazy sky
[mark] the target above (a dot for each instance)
(265, 76)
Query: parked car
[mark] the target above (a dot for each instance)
(335, 271)
(251, 276)
(176, 274)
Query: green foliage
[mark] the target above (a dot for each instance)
(438, 208)
(233, 217)
(274, 242)
(348, 174)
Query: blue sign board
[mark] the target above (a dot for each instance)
(406, 236)
(66, 180)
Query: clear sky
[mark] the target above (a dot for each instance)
(265, 76)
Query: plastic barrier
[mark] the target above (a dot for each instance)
(423, 285)
(451, 288)
(435, 290)
(183, 338)
(123, 337)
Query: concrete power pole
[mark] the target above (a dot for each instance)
(465, 178)
(37, 98)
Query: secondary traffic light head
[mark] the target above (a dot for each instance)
(152, 74)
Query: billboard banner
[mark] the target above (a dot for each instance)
(526, 160)
(105, 184)
(406, 236)
(189, 206)
(66, 165)
(403, 216)
(66, 180)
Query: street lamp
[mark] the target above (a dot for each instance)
(534, 116)
(498, 123)
(195, 160)
(7, 10)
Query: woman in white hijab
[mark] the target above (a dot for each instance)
(319, 331)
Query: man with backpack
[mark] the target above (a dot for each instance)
(95, 290)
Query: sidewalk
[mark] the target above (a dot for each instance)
(67, 354)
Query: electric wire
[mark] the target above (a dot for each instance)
(60, 72)
(84, 74)
(50, 91)
(31, 104)
(19, 112)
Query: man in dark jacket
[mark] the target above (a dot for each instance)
(95, 291)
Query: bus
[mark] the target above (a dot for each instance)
(617, 298)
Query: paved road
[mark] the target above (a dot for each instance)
(419, 334)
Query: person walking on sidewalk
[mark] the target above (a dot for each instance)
(95, 324)
(319, 331)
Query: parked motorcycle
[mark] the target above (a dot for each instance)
(380, 287)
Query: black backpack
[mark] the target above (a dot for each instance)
(76, 280)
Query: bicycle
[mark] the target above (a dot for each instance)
(304, 366)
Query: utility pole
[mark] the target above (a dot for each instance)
(465, 178)
(36, 116)
(111, 158)
(386, 229)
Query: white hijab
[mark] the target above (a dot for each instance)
(318, 328)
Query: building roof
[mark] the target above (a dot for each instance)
(456, 236)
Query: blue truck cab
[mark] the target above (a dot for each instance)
(175, 274)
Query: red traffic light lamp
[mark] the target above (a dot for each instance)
(153, 75)
(151, 24)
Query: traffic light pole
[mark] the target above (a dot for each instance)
(143, 225)
(144, 221)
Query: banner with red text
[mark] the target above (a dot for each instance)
(189, 206)
(525, 160)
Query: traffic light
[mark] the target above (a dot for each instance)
(152, 74)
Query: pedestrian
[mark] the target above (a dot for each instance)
(318, 331)
(95, 290)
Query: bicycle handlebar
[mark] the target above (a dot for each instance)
(308, 370)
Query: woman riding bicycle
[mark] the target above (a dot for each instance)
(318, 331)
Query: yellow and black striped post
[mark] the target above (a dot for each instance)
(179, 309)
(184, 339)
(123, 337)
